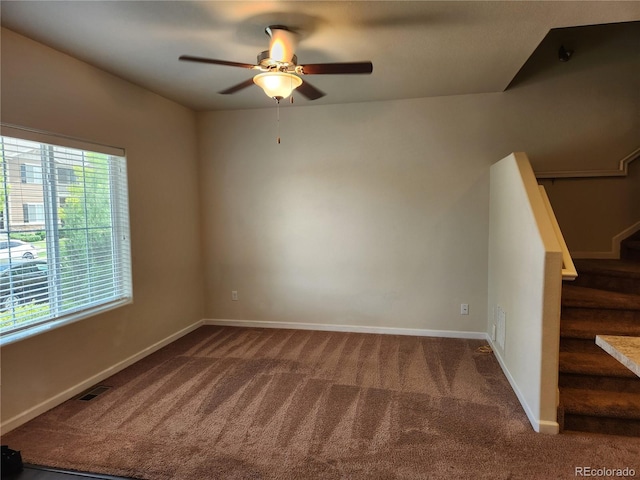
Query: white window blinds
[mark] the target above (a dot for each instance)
(64, 222)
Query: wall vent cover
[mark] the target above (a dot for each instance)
(93, 393)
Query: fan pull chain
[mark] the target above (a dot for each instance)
(278, 119)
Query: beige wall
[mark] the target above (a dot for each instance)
(376, 214)
(366, 214)
(591, 211)
(44, 89)
(583, 114)
(592, 121)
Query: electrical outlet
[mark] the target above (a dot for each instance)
(234, 295)
(464, 309)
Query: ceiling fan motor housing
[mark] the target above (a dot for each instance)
(265, 60)
(283, 43)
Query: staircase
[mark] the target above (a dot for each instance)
(597, 393)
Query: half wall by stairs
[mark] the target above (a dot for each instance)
(597, 393)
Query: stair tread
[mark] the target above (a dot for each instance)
(596, 403)
(586, 363)
(588, 328)
(584, 297)
(621, 268)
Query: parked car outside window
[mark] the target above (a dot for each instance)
(23, 282)
(17, 249)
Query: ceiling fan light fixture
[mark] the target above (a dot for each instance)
(277, 85)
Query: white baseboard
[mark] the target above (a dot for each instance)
(540, 426)
(71, 392)
(418, 332)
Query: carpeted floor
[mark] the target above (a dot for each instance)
(245, 403)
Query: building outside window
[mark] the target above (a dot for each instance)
(33, 212)
(31, 173)
(68, 207)
(66, 176)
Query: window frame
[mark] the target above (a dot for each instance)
(119, 225)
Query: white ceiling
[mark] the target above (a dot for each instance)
(418, 49)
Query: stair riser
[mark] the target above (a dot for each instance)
(590, 334)
(589, 330)
(586, 323)
(606, 371)
(611, 426)
(592, 365)
(601, 314)
(581, 345)
(593, 382)
(630, 248)
(608, 282)
(630, 253)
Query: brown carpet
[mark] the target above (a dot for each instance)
(234, 403)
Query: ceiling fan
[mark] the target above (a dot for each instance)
(280, 72)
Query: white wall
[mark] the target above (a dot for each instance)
(46, 90)
(525, 281)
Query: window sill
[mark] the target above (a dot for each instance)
(28, 332)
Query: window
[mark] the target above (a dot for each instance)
(33, 212)
(31, 173)
(66, 176)
(68, 256)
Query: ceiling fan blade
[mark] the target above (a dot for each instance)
(239, 86)
(309, 91)
(337, 68)
(190, 58)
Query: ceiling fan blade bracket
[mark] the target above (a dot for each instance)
(267, 63)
